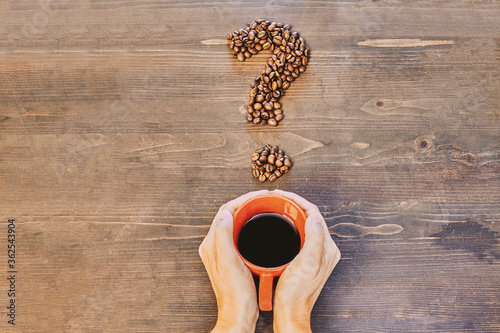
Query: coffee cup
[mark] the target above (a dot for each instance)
(268, 231)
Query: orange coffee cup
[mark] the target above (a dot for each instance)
(269, 203)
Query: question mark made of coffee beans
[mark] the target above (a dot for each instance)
(290, 58)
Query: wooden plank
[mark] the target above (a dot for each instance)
(125, 269)
(138, 84)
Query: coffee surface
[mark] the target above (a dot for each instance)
(269, 240)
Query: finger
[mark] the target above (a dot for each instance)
(232, 205)
(309, 259)
(210, 232)
(335, 258)
(307, 206)
(331, 257)
(224, 245)
(330, 247)
(217, 215)
(207, 254)
(315, 236)
(207, 249)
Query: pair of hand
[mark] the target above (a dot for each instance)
(298, 287)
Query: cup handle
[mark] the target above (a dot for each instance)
(266, 292)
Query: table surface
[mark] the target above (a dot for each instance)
(122, 131)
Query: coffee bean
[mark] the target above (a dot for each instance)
(262, 178)
(286, 35)
(261, 34)
(272, 122)
(274, 86)
(256, 173)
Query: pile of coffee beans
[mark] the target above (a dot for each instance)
(270, 163)
(289, 59)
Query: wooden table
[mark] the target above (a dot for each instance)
(122, 131)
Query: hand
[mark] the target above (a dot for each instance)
(301, 282)
(231, 280)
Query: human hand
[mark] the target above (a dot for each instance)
(301, 282)
(231, 280)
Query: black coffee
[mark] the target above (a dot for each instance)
(269, 240)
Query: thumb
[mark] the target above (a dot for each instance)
(223, 235)
(315, 236)
(309, 259)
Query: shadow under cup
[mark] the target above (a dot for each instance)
(269, 203)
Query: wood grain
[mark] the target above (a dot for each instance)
(122, 131)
